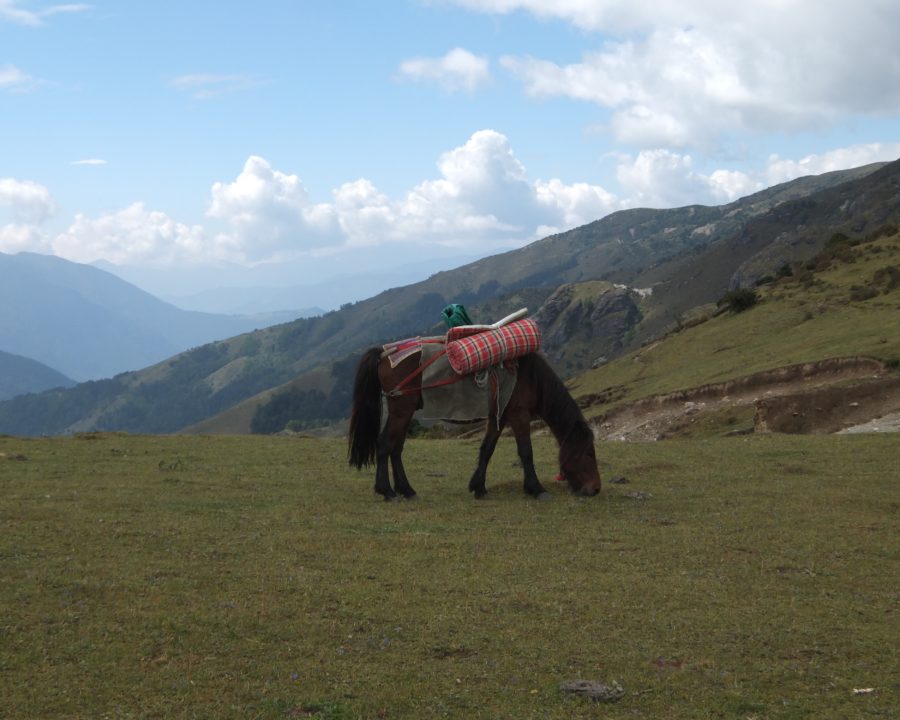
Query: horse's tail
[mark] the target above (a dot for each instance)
(365, 420)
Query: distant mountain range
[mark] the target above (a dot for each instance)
(286, 285)
(598, 290)
(19, 375)
(88, 324)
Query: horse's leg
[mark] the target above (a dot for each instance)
(390, 447)
(382, 479)
(488, 444)
(520, 422)
(401, 482)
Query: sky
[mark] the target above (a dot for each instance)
(190, 145)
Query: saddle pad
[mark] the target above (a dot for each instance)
(398, 351)
(472, 397)
(486, 349)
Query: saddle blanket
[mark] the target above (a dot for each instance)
(479, 395)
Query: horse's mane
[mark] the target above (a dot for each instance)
(554, 403)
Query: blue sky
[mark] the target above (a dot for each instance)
(284, 141)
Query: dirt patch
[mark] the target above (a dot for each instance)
(829, 396)
(829, 409)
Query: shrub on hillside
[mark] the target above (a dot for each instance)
(785, 271)
(858, 294)
(887, 278)
(738, 300)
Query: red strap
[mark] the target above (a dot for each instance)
(401, 389)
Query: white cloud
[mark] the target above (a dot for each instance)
(687, 74)
(781, 170)
(458, 70)
(135, 235)
(481, 200)
(89, 161)
(25, 205)
(22, 237)
(15, 80)
(270, 212)
(203, 86)
(28, 201)
(577, 204)
(662, 178)
(12, 11)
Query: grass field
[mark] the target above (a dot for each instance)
(259, 577)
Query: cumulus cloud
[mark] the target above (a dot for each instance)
(781, 170)
(12, 11)
(662, 178)
(270, 212)
(136, 235)
(22, 237)
(687, 74)
(25, 205)
(481, 199)
(28, 202)
(458, 70)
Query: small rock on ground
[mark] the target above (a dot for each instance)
(596, 691)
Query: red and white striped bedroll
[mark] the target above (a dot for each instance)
(486, 349)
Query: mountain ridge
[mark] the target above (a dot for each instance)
(20, 375)
(89, 324)
(636, 248)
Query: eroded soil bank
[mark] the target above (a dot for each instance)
(834, 395)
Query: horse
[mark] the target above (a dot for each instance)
(538, 392)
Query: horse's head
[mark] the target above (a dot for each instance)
(578, 463)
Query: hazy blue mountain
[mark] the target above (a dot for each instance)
(308, 287)
(89, 324)
(20, 375)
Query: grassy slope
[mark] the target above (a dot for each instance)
(793, 323)
(258, 577)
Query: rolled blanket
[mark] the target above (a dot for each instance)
(486, 349)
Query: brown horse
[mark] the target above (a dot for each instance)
(538, 393)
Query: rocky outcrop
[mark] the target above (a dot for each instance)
(582, 321)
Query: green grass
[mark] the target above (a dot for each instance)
(258, 577)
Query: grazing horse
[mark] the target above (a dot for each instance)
(538, 393)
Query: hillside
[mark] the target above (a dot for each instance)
(834, 323)
(89, 324)
(19, 375)
(645, 249)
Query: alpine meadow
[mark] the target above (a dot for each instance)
(725, 570)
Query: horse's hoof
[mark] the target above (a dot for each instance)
(543, 497)
(391, 498)
(480, 494)
(411, 496)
